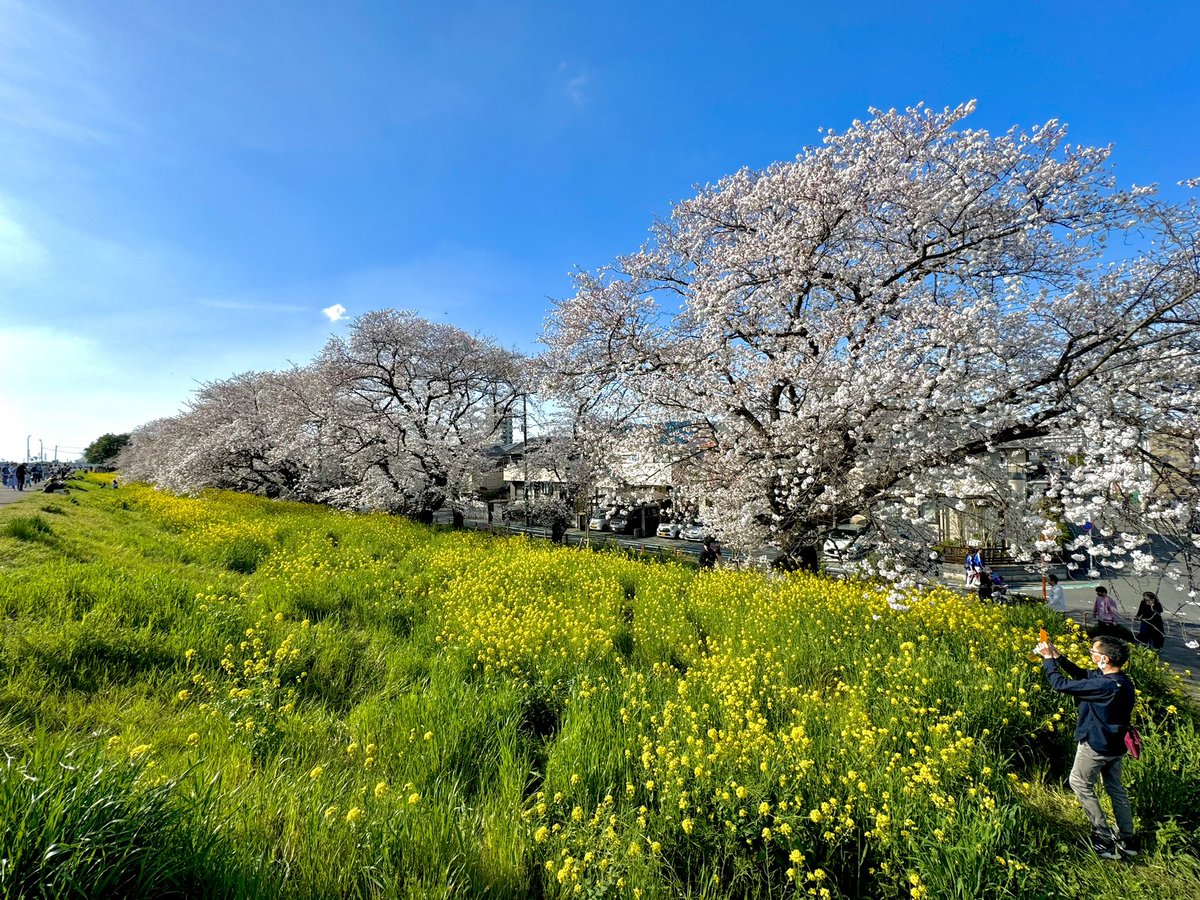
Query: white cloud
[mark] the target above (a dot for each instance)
(65, 389)
(335, 313)
(32, 356)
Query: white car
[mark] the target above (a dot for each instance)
(669, 530)
(847, 541)
(695, 531)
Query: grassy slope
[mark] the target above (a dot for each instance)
(297, 702)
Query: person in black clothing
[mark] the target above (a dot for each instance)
(1150, 617)
(1105, 697)
(985, 585)
(709, 554)
(20, 474)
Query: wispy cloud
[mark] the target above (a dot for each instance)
(573, 83)
(81, 392)
(252, 305)
(21, 254)
(52, 84)
(467, 287)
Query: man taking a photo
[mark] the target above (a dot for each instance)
(1105, 698)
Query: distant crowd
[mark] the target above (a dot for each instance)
(19, 476)
(1106, 617)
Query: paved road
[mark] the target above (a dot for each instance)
(8, 495)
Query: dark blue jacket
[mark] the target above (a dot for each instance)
(1105, 703)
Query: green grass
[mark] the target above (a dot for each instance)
(28, 528)
(225, 696)
(77, 824)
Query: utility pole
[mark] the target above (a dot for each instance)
(41, 451)
(525, 451)
(28, 437)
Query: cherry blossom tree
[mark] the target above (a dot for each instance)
(418, 403)
(259, 432)
(582, 425)
(394, 417)
(854, 331)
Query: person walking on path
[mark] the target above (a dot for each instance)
(1105, 697)
(1056, 599)
(1108, 619)
(1150, 617)
(972, 566)
(20, 473)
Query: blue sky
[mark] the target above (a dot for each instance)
(184, 187)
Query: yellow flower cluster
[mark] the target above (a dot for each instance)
(254, 685)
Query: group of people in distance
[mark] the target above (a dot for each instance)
(20, 476)
(16, 474)
(1105, 612)
(989, 583)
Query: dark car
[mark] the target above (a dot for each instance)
(640, 520)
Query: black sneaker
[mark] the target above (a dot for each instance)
(1129, 845)
(1104, 845)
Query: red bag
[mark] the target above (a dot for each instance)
(1133, 743)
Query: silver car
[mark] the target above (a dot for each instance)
(600, 521)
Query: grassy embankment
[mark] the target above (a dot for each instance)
(227, 696)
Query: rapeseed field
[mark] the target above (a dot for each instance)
(226, 696)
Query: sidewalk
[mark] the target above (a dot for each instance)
(8, 495)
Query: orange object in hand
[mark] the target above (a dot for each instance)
(1042, 636)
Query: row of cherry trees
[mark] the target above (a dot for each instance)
(848, 333)
(396, 417)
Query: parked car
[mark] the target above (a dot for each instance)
(694, 531)
(669, 530)
(601, 520)
(641, 520)
(848, 541)
(619, 523)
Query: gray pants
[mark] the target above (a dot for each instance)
(1088, 765)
